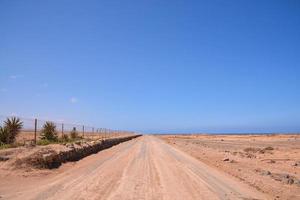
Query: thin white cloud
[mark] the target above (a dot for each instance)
(73, 100)
(15, 76)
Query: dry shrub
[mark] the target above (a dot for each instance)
(74, 133)
(252, 149)
(65, 137)
(269, 148)
(49, 132)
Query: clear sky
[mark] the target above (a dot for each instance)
(153, 65)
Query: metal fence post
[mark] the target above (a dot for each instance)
(83, 131)
(35, 130)
(62, 129)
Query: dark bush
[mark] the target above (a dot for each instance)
(12, 127)
(3, 135)
(49, 132)
(74, 133)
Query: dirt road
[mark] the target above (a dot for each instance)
(143, 168)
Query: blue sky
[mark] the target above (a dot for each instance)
(153, 66)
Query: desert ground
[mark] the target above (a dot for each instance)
(269, 163)
(167, 167)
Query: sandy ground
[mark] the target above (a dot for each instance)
(274, 172)
(143, 168)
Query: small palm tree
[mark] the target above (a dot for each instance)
(13, 126)
(3, 135)
(74, 133)
(49, 132)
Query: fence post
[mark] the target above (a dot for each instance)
(62, 129)
(35, 130)
(83, 131)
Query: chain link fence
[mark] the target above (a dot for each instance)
(32, 129)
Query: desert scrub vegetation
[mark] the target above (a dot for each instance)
(8, 133)
(49, 135)
(49, 132)
(258, 150)
(62, 140)
(74, 134)
(65, 137)
(3, 135)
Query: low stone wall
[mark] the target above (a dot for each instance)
(50, 158)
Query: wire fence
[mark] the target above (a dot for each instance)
(32, 129)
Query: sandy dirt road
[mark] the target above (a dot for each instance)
(143, 168)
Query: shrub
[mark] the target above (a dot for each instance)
(3, 135)
(43, 142)
(12, 127)
(252, 149)
(74, 133)
(49, 132)
(65, 137)
(269, 148)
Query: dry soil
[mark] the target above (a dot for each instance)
(143, 168)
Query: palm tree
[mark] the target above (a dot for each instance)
(13, 126)
(49, 132)
(3, 135)
(74, 133)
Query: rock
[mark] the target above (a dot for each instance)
(45, 156)
(289, 181)
(262, 151)
(29, 144)
(248, 155)
(226, 159)
(271, 161)
(265, 173)
(71, 146)
(4, 158)
(92, 142)
(286, 176)
(297, 182)
(269, 148)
